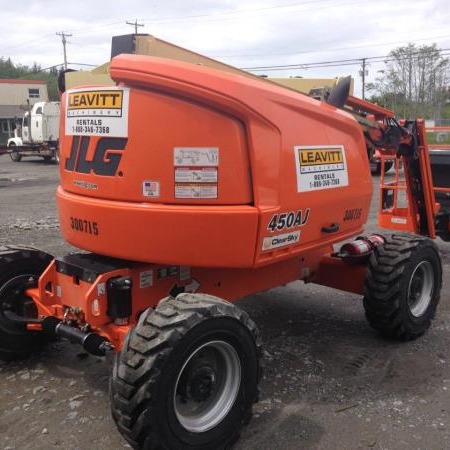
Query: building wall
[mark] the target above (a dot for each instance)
(16, 92)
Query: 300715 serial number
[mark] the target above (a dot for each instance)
(84, 226)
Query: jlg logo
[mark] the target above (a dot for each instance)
(106, 157)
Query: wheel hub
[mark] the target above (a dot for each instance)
(13, 298)
(420, 289)
(202, 383)
(207, 386)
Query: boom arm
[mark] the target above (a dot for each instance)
(407, 144)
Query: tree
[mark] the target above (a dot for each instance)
(36, 72)
(414, 82)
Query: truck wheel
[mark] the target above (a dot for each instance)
(56, 155)
(403, 286)
(17, 266)
(15, 155)
(187, 376)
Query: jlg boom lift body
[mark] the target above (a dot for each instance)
(187, 186)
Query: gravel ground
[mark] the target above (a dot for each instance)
(330, 381)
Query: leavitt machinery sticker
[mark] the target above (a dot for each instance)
(320, 167)
(97, 112)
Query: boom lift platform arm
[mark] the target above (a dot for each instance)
(405, 143)
(189, 186)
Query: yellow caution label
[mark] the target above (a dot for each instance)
(95, 100)
(318, 157)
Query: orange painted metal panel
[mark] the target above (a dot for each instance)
(211, 236)
(289, 168)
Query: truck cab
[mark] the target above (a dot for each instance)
(36, 132)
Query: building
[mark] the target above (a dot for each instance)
(15, 95)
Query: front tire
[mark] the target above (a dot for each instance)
(17, 266)
(187, 376)
(14, 155)
(403, 286)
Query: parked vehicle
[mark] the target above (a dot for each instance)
(37, 133)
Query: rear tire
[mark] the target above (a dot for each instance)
(187, 376)
(56, 155)
(403, 286)
(17, 266)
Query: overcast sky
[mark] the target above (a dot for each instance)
(244, 33)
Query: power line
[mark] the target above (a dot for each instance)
(242, 12)
(82, 64)
(342, 62)
(328, 50)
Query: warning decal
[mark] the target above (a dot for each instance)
(196, 175)
(97, 112)
(320, 167)
(183, 190)
(196, 172)
(196, 156)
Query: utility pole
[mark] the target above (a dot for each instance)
(63, 38)
(136, 25)
(363, 76)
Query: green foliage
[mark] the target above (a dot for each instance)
(438, 137)
(414, 82)
(446, 111)
(10, 70)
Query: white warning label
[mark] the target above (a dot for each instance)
(320, 167)
(196, 156)
(198, 191)
(145, 279)
(196, 175)
(196, 172)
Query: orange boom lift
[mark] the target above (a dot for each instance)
(189, 188)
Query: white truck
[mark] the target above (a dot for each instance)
(37, 133)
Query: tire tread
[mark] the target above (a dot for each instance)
(149, 345)
(384, 284)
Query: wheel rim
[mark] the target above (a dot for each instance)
(207, 386)
(13, 299)
(420, 289)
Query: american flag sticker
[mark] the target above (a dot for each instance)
(150, 189)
